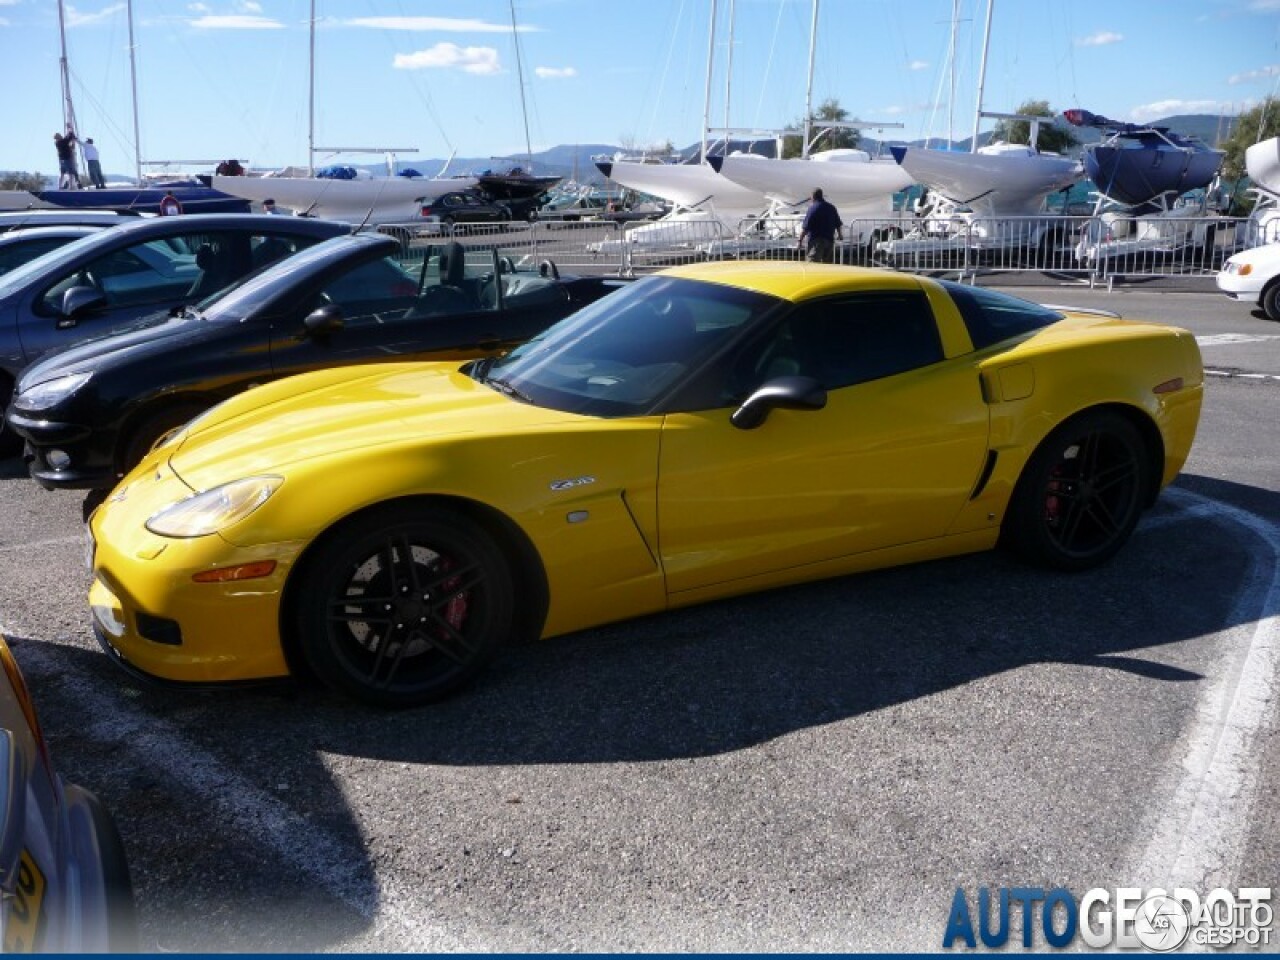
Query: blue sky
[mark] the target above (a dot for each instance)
(223, 78)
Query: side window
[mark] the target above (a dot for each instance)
(844, 341)
(372, 293)
(992, 316)
(457, 281)
(15, 254)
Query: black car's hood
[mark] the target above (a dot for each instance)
(154, 333)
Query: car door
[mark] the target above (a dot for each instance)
(890, 458)
(387, 311)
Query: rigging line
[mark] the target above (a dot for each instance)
(662, 82)
(424, 94)
(768, 65)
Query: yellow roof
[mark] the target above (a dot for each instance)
(795, 280)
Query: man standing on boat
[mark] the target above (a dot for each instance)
(94, 164)
(169, 205)
(821, 227)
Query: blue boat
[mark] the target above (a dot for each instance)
(1138, 165)
(194, 196)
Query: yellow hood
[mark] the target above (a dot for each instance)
(331, 412)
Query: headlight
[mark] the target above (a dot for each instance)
(207, 513)
(1231, 268)
(52, 392)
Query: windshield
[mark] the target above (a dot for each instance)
(626, 352)
(51, 262)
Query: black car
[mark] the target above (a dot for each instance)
(464, 206)
(142, 266)
(90, 412)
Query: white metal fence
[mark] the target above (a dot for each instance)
(1098, 249)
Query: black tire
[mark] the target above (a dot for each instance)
(451, 603)
(142, 437)
(10, 442)
(1271, 302)
(1081, 493)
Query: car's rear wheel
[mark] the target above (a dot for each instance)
(1081, 493)
(404, 605)
(10, 442)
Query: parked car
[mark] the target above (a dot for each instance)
(707, 431)
(90, 412)
(1253, 276)
(64, 881)
(149, 265)
(19, 246)
(463, 207)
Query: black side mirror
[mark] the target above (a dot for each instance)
(78, 300)
(324, 320)
(788, 393)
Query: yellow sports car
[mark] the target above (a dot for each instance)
(704, 432)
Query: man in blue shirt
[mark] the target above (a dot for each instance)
(821, 227)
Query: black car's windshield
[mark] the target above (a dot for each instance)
(247, 297)
(623, 354)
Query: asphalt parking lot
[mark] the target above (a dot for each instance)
(817, 768)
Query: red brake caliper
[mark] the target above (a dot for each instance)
(455, 611)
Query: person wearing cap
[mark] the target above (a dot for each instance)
(269, 206)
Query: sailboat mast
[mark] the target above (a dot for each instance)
(808, 89)
(311, 97)
(133, 81)
(524, 110)
(68, 108)
(982, 78)
(706, 107)
(728, 71)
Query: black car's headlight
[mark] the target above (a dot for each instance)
(50, 393)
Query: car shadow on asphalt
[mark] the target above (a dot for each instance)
(698, 682)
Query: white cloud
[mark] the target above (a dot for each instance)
(1164, 108)
(1264, 74)
(918, 65)
(555, 73)
(249, 6)
(450, 56)
(236, 21)
(198, 8)
(77, 19)
(9, 3)
(440, 24)
(1100, 39)
(1264, 6)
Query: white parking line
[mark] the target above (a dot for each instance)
(1199, 838)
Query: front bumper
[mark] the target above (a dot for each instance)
(1246, 289)
(153, 616)
(85, 459)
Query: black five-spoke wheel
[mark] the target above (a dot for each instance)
(404, 606)
(1081, 493)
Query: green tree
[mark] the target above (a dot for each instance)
(17, 180)
(831, 138)
(1053, 139)
(1260, 123)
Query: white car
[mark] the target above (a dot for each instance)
(1254, 277)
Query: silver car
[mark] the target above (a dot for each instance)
(64, 883)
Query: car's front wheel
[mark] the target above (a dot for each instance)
(403, 605)
(1081, 493)
(1271, 302)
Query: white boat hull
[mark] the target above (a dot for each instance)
(688, 185)
(1004, 183)
(378, 200)
(847, 178)
(1262, 163)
